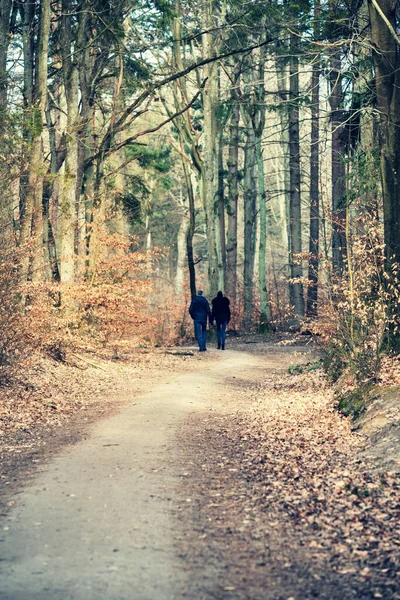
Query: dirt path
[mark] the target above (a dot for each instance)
(235, 481)
(98, 522)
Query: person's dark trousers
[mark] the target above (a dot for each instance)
(200, 331)
(221, 333)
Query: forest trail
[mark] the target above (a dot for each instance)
(235, 481)
(97, 524)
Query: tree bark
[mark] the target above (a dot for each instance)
(6, 201)
(386, 54)
(5, 16)
(221, 206)
(232, 202)
(313, 262)
(72, 45)
(250, 205)
(32, 222)
(181, 247)
(209, 186)
(296, 271)
(259, 125)
(262, 249)
(338, 165)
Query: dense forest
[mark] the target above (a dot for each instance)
(150, 148)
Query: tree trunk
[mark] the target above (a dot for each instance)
(259, 125)
(386, 55)
(232, 203)
(27, 13)
(5, 16)
(262, 249)
(313, 262)
(181, 246)
(72, 50)
(295, 261)
(191, 229)
(250, 205)
(221, 207)
(6, 201)
(32, 222)
(209, 185)
(336, 99)
(68, 195)
(283, 87)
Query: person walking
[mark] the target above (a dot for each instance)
(221, 314)
(200, 312)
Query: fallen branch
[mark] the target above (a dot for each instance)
(92, 364)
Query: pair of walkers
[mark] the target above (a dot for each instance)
(201, 313)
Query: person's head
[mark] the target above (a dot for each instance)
(200, 293)
(220, 295)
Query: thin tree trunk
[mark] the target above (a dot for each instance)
(336, 99)
(221, 207)
(262, 249)
(259, 125)
(250, 205)
(283, 87)
(27, 13)
(313, 263)
(295, 261)
(232, 203)
(209, 185)
(191, 230)
(6, 200)
(181, 248)
(5, 16)
(32, 222)
(68, 195)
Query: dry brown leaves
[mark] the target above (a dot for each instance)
(284, 502)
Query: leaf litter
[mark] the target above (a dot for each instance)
(284, 502)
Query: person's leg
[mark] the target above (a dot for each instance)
(204, 336)
(219, 335)
(198, 334)
(223, 334)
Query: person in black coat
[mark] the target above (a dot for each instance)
(200, 312)
(221, 314)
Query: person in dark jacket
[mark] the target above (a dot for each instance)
(200, 312)
(221, 314)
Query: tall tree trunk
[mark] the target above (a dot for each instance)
(72, 51)
(27, 13)
(338, 165)
(386, 53)
(221, 207)
(181, 247)
(68, 195)
(262, 249)
(283, 88)
(209, 187)
(295, 261)
(259, 125)
(313, 263)
(6, 201)
(250, 205)
(191, 229)
(32, 222)
(5, 16)
(232, 202)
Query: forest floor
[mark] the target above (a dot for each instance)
(209, 476)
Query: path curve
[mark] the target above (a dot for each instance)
(97, 523)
